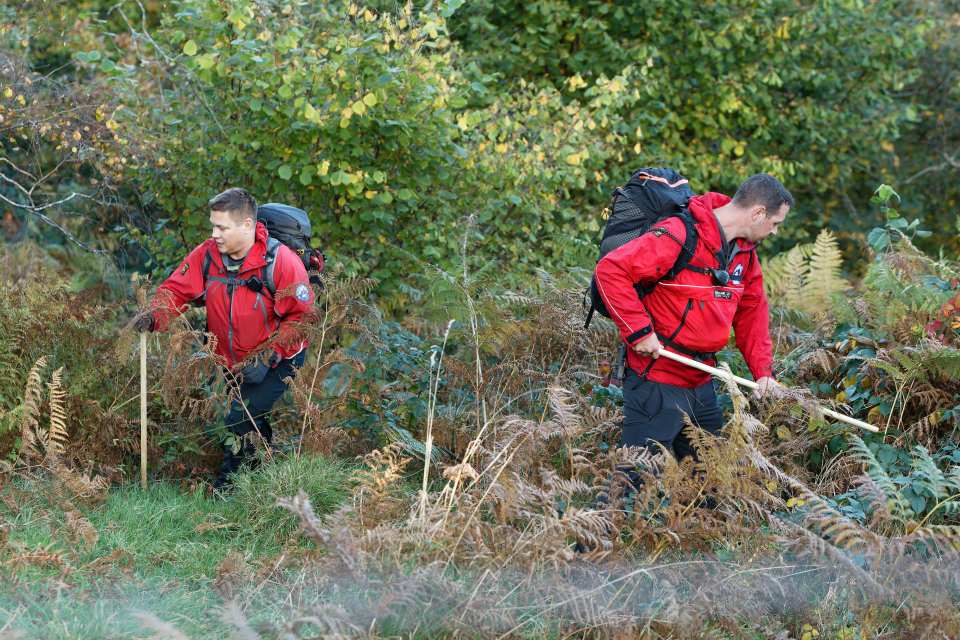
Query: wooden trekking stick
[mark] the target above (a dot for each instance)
(750, 384)
(143, 410)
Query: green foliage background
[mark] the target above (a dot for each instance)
(390, 124)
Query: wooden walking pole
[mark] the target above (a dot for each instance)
(720, 373)
(143, 410)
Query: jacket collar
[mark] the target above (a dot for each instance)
(256, 257)
(708, 227)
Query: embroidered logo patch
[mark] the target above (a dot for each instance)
(737, 276)
(723, 295)
(184, 268)
(302, 293)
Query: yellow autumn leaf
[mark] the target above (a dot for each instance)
(323, 168)
(576, 82)
(573, 159)
(368, 15)
(370, 100)
(8, 93)
(359, 108)
(501, 148)
(347, 113)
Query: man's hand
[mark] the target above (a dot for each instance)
(143, 322)
(649, 346)
(767, 387)
(273, 359)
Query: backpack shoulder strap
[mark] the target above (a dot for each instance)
(687, 249)
(273, 246)
(205, 270)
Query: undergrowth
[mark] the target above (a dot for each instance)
(488, 498)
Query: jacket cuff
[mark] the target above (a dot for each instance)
(637, 335)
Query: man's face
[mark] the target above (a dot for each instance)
(763, 225)
(231, 237)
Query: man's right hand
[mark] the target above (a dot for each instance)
(143, 322)
(649, 346)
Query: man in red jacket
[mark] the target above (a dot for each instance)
(256, 330)
(693, 313)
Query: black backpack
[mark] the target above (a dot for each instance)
(291, 226)
(651, 195)
(285, 225)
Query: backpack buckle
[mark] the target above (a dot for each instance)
(254, 283)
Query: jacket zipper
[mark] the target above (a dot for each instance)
(233, 355)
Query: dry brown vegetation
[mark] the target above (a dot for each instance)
(528, 526)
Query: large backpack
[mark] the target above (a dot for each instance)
(291, 226)
(285, 225)
(651, 195)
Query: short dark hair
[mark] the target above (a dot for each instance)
(763, 189)
(237, 202)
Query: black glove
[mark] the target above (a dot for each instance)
(144, 322)
(274, 359)
(256, 371)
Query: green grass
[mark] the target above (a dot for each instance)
(168, 546)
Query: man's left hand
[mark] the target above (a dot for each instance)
(767, 387)
(273, 359)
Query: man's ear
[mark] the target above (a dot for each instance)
(757, 212)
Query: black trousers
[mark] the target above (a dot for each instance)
(259, 400)
(653, 413)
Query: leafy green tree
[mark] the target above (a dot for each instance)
(729, 89)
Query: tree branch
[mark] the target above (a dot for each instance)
(948, 161)
(38, 212)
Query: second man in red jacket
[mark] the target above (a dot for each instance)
(693, 313)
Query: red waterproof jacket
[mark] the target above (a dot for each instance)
(242, 320)
(690, 311)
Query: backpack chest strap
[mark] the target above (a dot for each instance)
(273, 246)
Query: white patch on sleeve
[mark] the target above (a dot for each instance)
(303, 293)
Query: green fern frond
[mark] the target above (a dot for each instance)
(943, 361)
(898, 506)
(929, 474)
(822, 278)
(784, 275)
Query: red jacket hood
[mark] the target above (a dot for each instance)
(708, 227)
